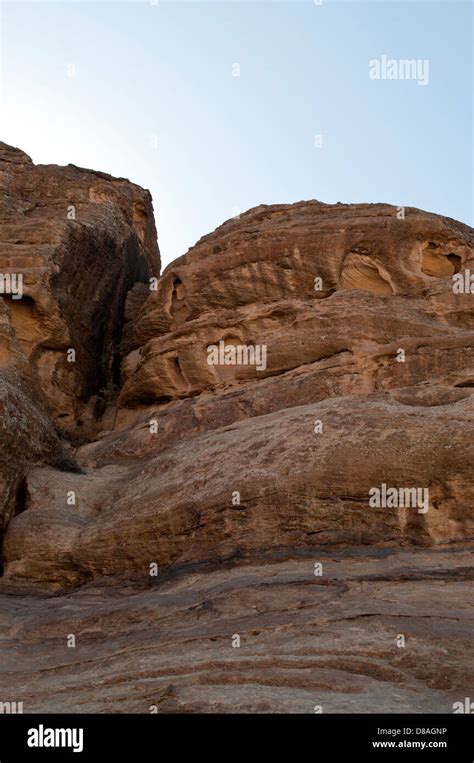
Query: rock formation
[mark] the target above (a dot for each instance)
(212, 533)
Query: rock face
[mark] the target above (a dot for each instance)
(331, 642)
(80, 240)
(274, 447)
(286, 276)
(72, 243)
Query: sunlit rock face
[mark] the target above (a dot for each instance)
(273, 440)
(79, 240)
(72, 243)
(311, 281)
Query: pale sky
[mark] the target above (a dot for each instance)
(148, 92)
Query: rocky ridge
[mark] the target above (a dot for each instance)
(231, 482)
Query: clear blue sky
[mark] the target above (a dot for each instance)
(153, 99)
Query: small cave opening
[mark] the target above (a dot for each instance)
(178, 308)
(438, 264)
(21, 495)
(456, 261)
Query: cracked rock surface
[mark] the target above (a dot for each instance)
(205, 531)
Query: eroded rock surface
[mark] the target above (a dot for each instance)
(312, 281)
(72, 243)
(80, 240)
(232, 482)
(307, 644)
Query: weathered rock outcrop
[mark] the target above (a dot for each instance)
(205, 493)
(286, 276)
(80, 240)
(307, 644)
(72, 243)
(296, 489)
(27, 432)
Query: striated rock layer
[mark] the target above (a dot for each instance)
(72, 244)
(307, 644)
(217, 535)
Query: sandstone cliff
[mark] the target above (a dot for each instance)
(232, 481)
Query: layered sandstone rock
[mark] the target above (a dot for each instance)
(308, 644)
(296, 489)
(26, 428)
(205, 494)
(286, 276)
(80, 240)
(72, 243)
